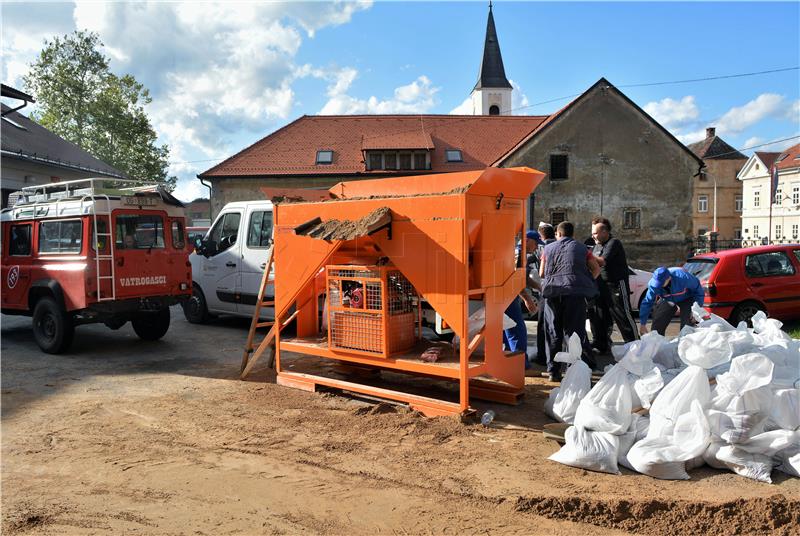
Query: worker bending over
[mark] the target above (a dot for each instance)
(670, 289)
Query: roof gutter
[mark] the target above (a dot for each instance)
(20, 107)
(210, 213)
(59, 163)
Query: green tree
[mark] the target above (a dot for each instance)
(81, 100)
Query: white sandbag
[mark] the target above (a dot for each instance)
(786, 357)
(772, 443)
(594, 451)
(705, 319)
(647, 387)
(676, 398)
(756, 466)
(705, 348)
(563, 401)
(667, 354)
(665, 456)
(607, 407)
(789, 462)
(636, 432)
(785, 410)
(638, 356)
(767, 330)
(741, 399)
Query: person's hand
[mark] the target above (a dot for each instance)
(643, 330)
(530, 304)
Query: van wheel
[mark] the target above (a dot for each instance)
(744, 312)
(195, 309)
(53, 328)
(151, 326)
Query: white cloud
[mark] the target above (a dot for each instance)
(673, 114)
(519, 101)
(752, 142)
(739, 118)
(465, 108)
(417, 97)
(793, 112)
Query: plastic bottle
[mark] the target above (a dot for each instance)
(487, 417)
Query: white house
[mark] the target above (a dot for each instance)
(783, 225)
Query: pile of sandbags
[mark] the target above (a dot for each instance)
(717, 395)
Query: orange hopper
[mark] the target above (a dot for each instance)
(379, 247)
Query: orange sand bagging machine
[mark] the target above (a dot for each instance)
(380, 246)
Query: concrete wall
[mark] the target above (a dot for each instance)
(728, 187)
(16, 174)
(618, 160)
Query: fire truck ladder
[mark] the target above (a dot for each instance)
(250, 356)
(101, 259)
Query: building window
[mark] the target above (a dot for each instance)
(702, 203)
(755, 232)
(632, 218)
(796, 194)
(494, 109)
(703, 175)
(737, 234)
(557, 216)
(420, 161)
(390, 160)
(20, 242)
(778, 231)
(757, 198)
(453, 155)
(778, 199)
(737, 203)
(559, 167)
(324, 157)
(702, 231)
(375, 161)
(405, 160)
(795, 230)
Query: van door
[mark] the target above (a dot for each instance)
(257, 243)
(16, 271)
(219, 271)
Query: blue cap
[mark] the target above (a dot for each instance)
(661, 275)
(534, 235)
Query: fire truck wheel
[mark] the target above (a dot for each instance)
(152, 326)
(195, 309)
(52, 326)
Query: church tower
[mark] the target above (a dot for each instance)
(492, 94)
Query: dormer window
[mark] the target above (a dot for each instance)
(324, 157)
(453, 155)
(394, 160)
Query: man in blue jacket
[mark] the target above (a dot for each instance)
(669, 289)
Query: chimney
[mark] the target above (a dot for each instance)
(711, 132)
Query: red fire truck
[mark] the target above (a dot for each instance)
(94, 250)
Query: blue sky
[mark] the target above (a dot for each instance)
(224, 75)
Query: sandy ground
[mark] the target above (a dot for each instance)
(121, 435)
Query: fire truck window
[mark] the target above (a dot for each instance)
(139, 231)
(225, 228)
(60, 236)
(260, 231)
(177, 235)
(20, 242)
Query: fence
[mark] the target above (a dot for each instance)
(710, 245)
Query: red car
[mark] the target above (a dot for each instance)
(741, 282)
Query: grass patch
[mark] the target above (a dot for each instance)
(792, 328)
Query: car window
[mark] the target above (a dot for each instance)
(20, 240)
(259, 231)
(768, 264)
(139, 231)
(796, 254)
(101, 236)
(700, 268)
(226, 227)
(178, 241)
(63, 236)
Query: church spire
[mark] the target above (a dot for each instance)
(492, 74)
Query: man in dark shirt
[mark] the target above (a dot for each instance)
(613, 301)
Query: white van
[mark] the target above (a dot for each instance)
(228, 263)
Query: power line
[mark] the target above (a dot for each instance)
(741, 75)
(755, 146)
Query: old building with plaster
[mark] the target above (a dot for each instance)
(717, 198)
(602, 153)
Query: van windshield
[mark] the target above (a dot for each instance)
(139, 231)
(701, 268)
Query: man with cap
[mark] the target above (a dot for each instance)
(669, 289)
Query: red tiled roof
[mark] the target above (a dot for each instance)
(767, 158)
(790, 158)
(292, 150)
